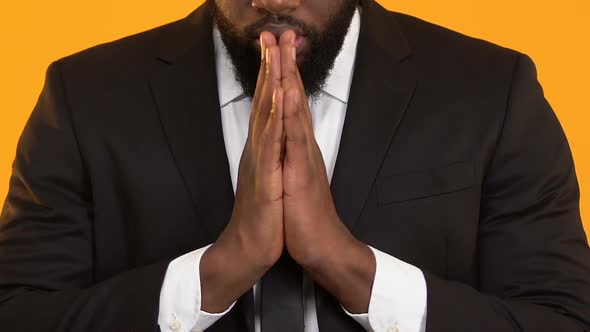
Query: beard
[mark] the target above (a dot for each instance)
(314, 67)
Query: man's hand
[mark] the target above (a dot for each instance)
(253, 240)
(315, 236)
(311, 222)
(258, 209)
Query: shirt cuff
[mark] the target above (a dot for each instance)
(180, 296)
(398, 300)
(206, 319)
(362, 319)
(398, 297)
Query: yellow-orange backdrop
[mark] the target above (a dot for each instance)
(554, 33)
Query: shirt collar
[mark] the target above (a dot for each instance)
(337, 84)
(228, 87)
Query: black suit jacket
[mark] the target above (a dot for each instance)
(451, 159)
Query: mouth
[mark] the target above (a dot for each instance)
(277, 31)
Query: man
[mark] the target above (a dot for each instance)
(389, 175)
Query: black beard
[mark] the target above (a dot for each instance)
(315, 66)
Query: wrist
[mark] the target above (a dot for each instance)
(332, 245)
(340, 253)
(226, 273)
(347, 272)
(239, 249)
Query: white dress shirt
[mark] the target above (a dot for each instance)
(398, 297)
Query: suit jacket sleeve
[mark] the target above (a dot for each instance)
(534, 260)
(46, 248)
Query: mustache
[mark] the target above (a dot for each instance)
(253, 30)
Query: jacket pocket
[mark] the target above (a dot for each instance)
(425, 183)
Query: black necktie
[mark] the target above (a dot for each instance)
(281, 297)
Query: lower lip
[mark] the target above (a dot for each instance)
(299, 41)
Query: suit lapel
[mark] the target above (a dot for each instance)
(185, 92)
(383, 85)
(381, 89)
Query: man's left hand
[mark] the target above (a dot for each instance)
(315, 236)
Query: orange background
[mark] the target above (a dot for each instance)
(553, 33)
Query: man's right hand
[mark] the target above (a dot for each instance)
(253, 240)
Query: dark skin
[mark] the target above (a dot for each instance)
(283, 198)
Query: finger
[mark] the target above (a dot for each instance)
(272, 148)
(291, 77)
(296, 137)
(267, 40)
(272, 78)
(289, 53)
(271, 82)
(289, 70)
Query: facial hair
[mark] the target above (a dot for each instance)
(315, 66)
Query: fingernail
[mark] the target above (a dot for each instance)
(262, 48)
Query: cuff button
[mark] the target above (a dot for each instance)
(392, 329)
(175, 325)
